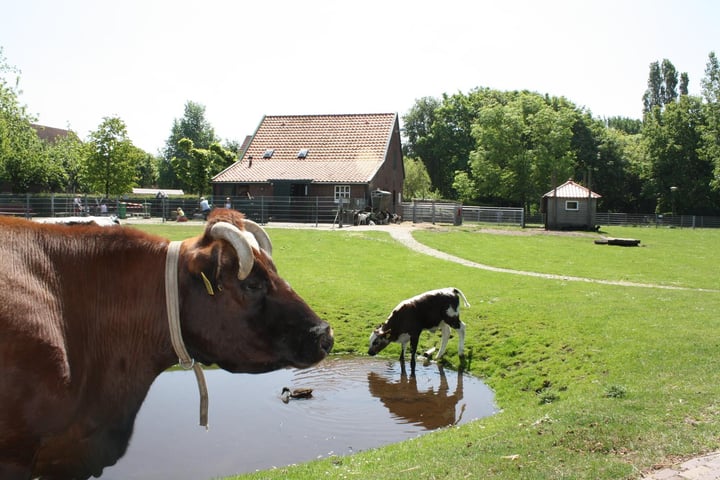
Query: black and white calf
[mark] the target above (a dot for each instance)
(427, 311)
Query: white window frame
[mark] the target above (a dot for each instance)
(569, 205)
(342, 191)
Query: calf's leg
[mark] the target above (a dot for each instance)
(413, 352)
(461, 340)
(445, 337)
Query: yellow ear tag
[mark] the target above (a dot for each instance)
(208, 285)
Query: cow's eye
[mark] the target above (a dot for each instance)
(253, 285)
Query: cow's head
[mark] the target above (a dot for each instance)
(236, 311)
(379, 339)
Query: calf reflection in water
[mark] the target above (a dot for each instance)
(430, 409)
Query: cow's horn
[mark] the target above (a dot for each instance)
(260, 235)
(236, 238)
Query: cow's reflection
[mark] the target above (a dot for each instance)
(430, 409)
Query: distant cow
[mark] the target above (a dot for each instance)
(427, 311)
(84, 330)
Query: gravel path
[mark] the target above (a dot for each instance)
(404, 236)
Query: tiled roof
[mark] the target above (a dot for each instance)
(49, 134)
(340, 148)
(570, 189)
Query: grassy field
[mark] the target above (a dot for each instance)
(594, 381)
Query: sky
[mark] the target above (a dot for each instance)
(142, 60)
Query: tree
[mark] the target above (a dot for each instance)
(439, 134)
(684, 82)
(653, 96)
(417, 124)
(65, 157)
(21, 162)
(710, 133)
(630, 126)
(670, 81)
(681, 177)
(192, 126)
(199, 165)
(417, 181)
(112, 161)
(147, 170)
(663, 86)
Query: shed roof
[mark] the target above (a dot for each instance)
(571, 189)
(319, 148)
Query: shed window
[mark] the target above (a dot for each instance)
(269, 153)
(572, 205)
(303, 153)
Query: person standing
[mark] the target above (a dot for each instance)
(228, 203)
(204, 207)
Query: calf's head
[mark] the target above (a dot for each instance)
(236, 310)
(379, 339)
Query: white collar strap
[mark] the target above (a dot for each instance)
(173, 312)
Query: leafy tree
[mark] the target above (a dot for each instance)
(417, 181)
(199, 165)
(653, 96)
(21, 164)
(523, 148)
(612, 175)
(710, 147)
(439, 134)
(148, 171)
(465, 187)
(418, 124)
(670, 81)
(112, 161)
(673, 140)
(630, 126)
(662, 86)
(192, 126)
(65, 157)
(499, 163)
(684, 82)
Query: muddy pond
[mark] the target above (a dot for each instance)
(357, 403)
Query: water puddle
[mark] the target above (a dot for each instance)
(357, 403)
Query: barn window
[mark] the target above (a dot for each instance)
(342, 191)
(303, 153)
(572, 205)
(269, 153)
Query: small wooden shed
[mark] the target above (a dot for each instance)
(570, 206)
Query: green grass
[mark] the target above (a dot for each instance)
(671, 257)
(594, 381)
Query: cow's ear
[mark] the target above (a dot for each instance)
(385, 333)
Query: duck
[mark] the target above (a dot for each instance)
(287, 394)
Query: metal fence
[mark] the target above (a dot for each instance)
(653, 220)
(455, 213)
(310, 210)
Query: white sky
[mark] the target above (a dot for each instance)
(142, 60)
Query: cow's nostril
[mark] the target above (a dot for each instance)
(328, 339)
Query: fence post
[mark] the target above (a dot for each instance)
(262, 210)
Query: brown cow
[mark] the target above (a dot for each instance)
(84, 331)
